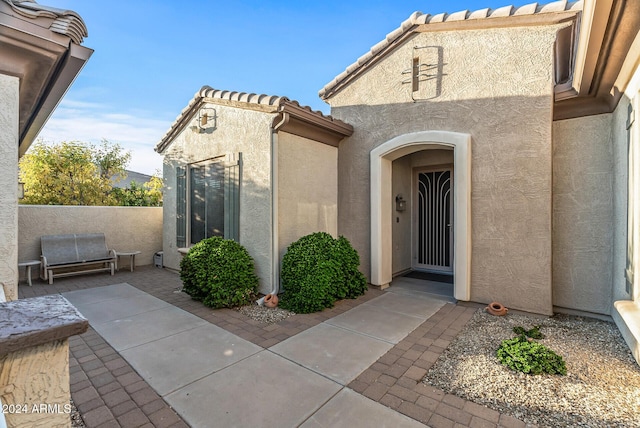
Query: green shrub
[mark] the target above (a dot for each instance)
(533, 333)
(528, 356)
(317, 270)
(219, 273)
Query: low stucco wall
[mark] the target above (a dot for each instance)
(125, 228)
(9, 86)
(307, 189)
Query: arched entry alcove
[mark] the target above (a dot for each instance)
(382, 201)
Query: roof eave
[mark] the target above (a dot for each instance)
(303, 122)
(72, 63)
(45, 60)
(322, 127)
(608, 55)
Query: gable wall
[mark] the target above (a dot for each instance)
(497, 85)
(238, 130)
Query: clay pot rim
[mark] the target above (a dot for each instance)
(496, 308)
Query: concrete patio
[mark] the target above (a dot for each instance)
(182, 364)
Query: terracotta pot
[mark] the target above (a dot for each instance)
(271, 300)
(497, 309)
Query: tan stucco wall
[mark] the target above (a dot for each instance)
(9, 87)
(403, 172)
(125, 228)
(626, 311)
(33, 377)
(497, 85)
(307, 189)
(238, 131)
(583, 178)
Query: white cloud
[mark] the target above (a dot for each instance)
(92, 122)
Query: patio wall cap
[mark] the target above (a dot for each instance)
(64, 21)
(209, 94)
(419, 19)
(31, 322)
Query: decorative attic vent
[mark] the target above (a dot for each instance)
(425, 74)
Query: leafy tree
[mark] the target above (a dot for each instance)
(148, 194)
(112, 161)
(63, 174)
(76, 173)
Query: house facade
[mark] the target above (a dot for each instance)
(255, 168)
(499, 147)
(512, 137)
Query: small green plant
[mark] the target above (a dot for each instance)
(219, 273)
(533, 333)
(317, 270)
(523, 354)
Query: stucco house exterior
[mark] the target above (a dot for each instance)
(496, 146)
(524, 120)
(40, 56)
(259, 169)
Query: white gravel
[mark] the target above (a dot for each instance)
(601, 388)
(264, 314)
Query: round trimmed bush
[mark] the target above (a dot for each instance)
(317, 270)
(219, 273)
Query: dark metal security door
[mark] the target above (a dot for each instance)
(433, 231)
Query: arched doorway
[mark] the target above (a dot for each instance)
(383, 200)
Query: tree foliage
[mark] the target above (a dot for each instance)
(77, 173)
(148, 194)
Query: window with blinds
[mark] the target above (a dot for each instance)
(208, 201)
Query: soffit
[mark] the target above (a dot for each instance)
(609, 53)
(38, 46)
(508, 16)
(289, 115)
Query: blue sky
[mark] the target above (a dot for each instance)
(151, 57)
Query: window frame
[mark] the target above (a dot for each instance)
(232, 171)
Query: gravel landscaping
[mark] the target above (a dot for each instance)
(264, 314)
(601, 388)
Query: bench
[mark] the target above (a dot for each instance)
(75, 254)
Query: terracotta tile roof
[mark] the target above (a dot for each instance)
(206, 92)
(418, 18)
(66, 22)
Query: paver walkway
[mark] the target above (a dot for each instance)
(203, 371)
(109, 392)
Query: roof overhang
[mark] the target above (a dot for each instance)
(289, 116)
(608, 52)
(303, 122)
(46, 62)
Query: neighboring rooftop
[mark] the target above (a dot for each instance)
(438, 21)
(132, 176)
(272, 103)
